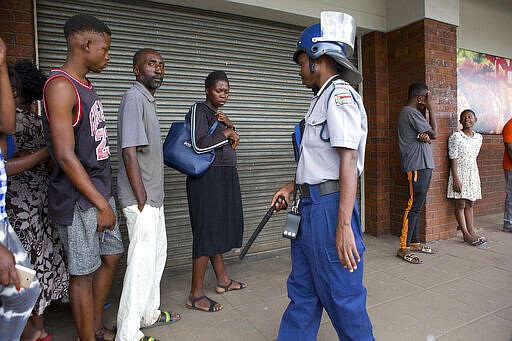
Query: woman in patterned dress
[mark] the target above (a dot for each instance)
(26, 200)
(464, 180)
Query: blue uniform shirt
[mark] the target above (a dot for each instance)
(336, 118)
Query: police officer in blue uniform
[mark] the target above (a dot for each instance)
(327, 255)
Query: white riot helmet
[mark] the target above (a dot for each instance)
(335, 37)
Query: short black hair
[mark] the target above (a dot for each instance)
(29, 78)
(417, 89)
(214, 77)
(137, 54)
(84, 23)
(467, 110)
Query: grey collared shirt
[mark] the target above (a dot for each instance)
(335, 119)
(138, 126)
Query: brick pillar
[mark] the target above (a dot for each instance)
(492, 178)
(424, 51)
(17, 28)
(376, 99)
(406, 53)
(441, 77)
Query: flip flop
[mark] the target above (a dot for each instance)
(48, 337)
(411, 258)
(148, 338)
(100, 334)
(211, 308)
(220, 289)
(165, 318)
(477, 243)
(424, 248)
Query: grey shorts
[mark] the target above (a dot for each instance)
(85, 245)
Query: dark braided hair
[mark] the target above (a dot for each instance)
(29, 78)
(84, 23)
(214, 77)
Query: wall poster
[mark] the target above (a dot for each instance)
(484, 84)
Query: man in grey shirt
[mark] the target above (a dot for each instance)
(141, 193)
(416, 127)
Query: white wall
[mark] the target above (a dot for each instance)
(486, 26)
(370, 15)
(447, 11)
(401, 13)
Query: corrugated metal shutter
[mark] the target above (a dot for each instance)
(266, 99)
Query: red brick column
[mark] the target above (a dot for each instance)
(406, 65)
(441, 77)
(424, 51)
(376, 99)
(490, 166)
(17, 28)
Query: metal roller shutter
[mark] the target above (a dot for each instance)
(266, 98)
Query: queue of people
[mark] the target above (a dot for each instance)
(65, 224)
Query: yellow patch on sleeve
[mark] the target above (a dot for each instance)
(343, 97)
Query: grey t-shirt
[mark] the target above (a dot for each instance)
(138, 126)
(414, 154)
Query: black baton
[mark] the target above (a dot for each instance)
(260, 227)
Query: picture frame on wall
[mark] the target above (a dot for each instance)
(484, 84)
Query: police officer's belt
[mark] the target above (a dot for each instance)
(328, 187)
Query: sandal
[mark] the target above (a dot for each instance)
(422, 248)
(411, 258)
(478, 242)
(100, 334)
(220, 289)
(48, 337)
(165, 318)
(210, 309)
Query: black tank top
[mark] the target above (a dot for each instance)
(91, 148)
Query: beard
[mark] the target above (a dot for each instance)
(150, 83)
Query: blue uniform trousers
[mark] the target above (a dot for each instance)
(318, 280)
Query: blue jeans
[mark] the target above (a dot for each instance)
(507, 217)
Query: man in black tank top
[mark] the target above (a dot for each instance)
(80, 192)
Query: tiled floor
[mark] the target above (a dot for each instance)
(459, 293)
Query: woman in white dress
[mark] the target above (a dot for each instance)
(464, 180)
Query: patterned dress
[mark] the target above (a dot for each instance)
(27, 208)
(464, 149)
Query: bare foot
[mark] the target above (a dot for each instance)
(32, 334)
(470, 239)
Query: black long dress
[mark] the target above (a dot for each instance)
(214, 199)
